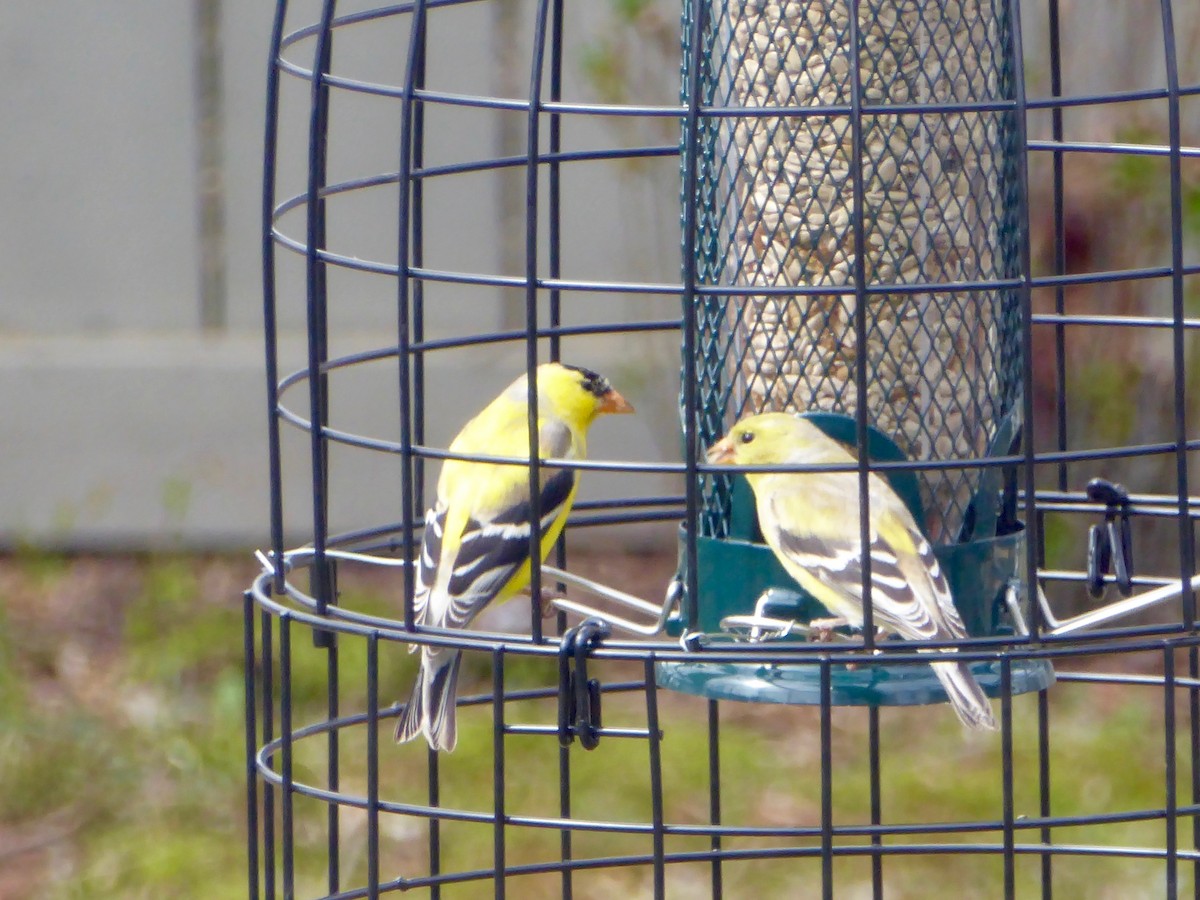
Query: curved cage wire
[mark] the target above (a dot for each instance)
(915, 218)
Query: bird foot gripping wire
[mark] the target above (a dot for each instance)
(578, 695)
(770, 621)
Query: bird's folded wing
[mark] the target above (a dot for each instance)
(837, 564)
(477, 536)
(490, 552)
(427, 560)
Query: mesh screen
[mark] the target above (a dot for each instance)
(777, 204)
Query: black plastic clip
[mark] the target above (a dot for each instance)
(578, 695)
(1110, 545)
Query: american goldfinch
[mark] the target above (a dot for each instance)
(475, 547)
(810, 521)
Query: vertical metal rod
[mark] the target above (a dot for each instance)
(416, 223)
(554, 193)
(554, 262)
(268, 735)
(286, 787)
(714, 791)
(333, 747)
(826, 779)
(1187, 538)
(564, 811)
(1006, 777)
(656, 779)
(406, 188)
(435, 825)
(1170, 801)
(270, 329)
(499, 864)
(1039, 555)
(1044, 806)
(861, 301)
(532, 161)
(565, 843)
(410, 209)
(691, 157)
(1194, 723)
(373, 765)
(1029, 461)
(248, 663)
(1060, 245)
(1187, 546)
(317, 319)
(873, 761)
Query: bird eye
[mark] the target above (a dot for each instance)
(747, 437)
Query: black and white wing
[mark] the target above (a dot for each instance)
(427, 560)
(490, 553)
(483, 552)
(837, 565)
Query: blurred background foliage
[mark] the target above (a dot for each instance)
(122, 773)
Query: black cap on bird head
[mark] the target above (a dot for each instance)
(605, 397)
(593, 382)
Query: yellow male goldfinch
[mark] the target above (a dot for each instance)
(475, 547)
(811, 522)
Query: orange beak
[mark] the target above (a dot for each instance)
(721, 453)
(612, 402)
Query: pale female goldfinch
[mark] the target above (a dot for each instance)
(811, 521)
(476, 543)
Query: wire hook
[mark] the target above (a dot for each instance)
(578, 695)
(1110, 545)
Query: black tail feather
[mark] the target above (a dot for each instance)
(431, 708)
(966, 696)
(443, 691)
(408, 726)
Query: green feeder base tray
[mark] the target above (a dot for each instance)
(865, 685)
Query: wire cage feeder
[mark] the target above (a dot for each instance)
(874, 230)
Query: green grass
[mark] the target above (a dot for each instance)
(122, 770)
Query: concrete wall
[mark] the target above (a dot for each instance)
(128, 425)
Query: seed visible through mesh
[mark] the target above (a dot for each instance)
(931, 191)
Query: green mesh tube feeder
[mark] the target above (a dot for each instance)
(818, 216)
